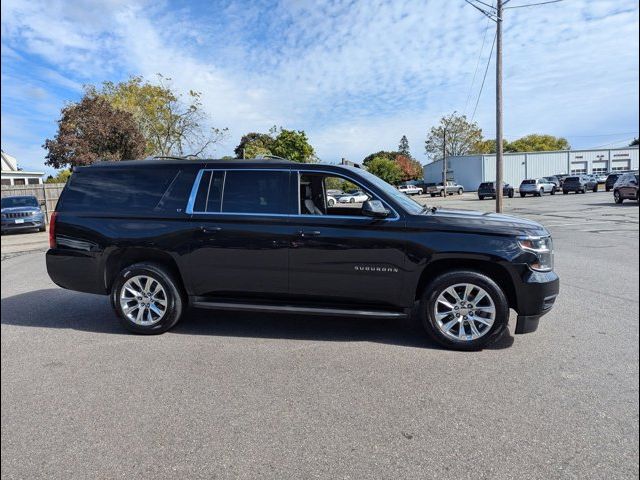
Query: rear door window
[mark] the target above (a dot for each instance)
(256, 191)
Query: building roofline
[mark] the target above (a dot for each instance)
(542, 152)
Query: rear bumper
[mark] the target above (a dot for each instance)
(537, 294)
(75, 270)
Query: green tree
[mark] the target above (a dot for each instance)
(253, 144)
(386, 169)
(403, 147)
(93, 130)
(290, 144)
(381, 154)
(293, 145)
(171, 123)
(62, 176)
(461, 136)
(537, 143)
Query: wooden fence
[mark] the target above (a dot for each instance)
(46, 193)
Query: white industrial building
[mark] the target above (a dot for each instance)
(471, 170)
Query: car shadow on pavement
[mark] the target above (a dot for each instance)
(58, 308)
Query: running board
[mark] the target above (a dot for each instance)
(255, 307)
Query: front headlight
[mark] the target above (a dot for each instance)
(542, 248)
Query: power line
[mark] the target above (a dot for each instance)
(475, 72)
(484, 78)
(534, 4)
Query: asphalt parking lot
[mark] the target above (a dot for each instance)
(229, 395)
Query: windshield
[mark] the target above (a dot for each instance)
(11, 202)
(409, 205)
(572, 179)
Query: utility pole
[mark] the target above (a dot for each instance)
(499, 157)
(444, 163)
(496, 14)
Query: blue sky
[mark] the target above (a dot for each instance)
(355, 75)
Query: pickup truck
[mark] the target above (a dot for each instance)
(410, 190)
(450, 189)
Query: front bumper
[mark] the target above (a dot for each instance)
(537, 293)
(29, 223)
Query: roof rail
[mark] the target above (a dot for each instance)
(271, 157)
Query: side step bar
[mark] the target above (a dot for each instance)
(255, 307)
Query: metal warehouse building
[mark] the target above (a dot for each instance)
(471, 170)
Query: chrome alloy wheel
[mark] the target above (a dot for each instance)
(143, 300)
(464, 312)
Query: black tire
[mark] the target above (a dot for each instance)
(617, 197)
(433, 195)
(175, 298)
(511, 194)
(540, 192)
(460, 191)
(352, 200)
(444, 281)
(522, 195)
(595, 189)
(481, 197)
(553, 191)
(607, 189)
(565, 192)
(43, 228)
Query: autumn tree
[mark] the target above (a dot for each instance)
(93, 130)
(411, 169)
(386, 169)
(403, 147)
(461, 136)
(172, 124)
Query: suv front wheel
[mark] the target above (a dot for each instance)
(464, 310)
(147, 299)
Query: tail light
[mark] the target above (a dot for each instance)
(52, 230)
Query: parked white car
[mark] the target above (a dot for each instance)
(354, 196)
(410, 190)
(537, 187)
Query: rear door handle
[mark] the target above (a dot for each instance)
(204, 229)
(310, 233)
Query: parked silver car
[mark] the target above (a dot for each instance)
(537, 187)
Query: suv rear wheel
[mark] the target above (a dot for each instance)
(617, 197)
(464, 310)
(147, 298)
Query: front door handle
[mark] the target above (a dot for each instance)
(204, 229)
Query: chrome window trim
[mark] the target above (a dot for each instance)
(196, 185)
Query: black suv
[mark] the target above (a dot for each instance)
(259, 235)
(488, 189)
(579, 184)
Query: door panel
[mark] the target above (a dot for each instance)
(348, 260)
(242, 238)
(240, 256)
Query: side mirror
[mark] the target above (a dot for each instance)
(374, 209)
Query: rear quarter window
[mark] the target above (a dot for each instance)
(153, 189)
